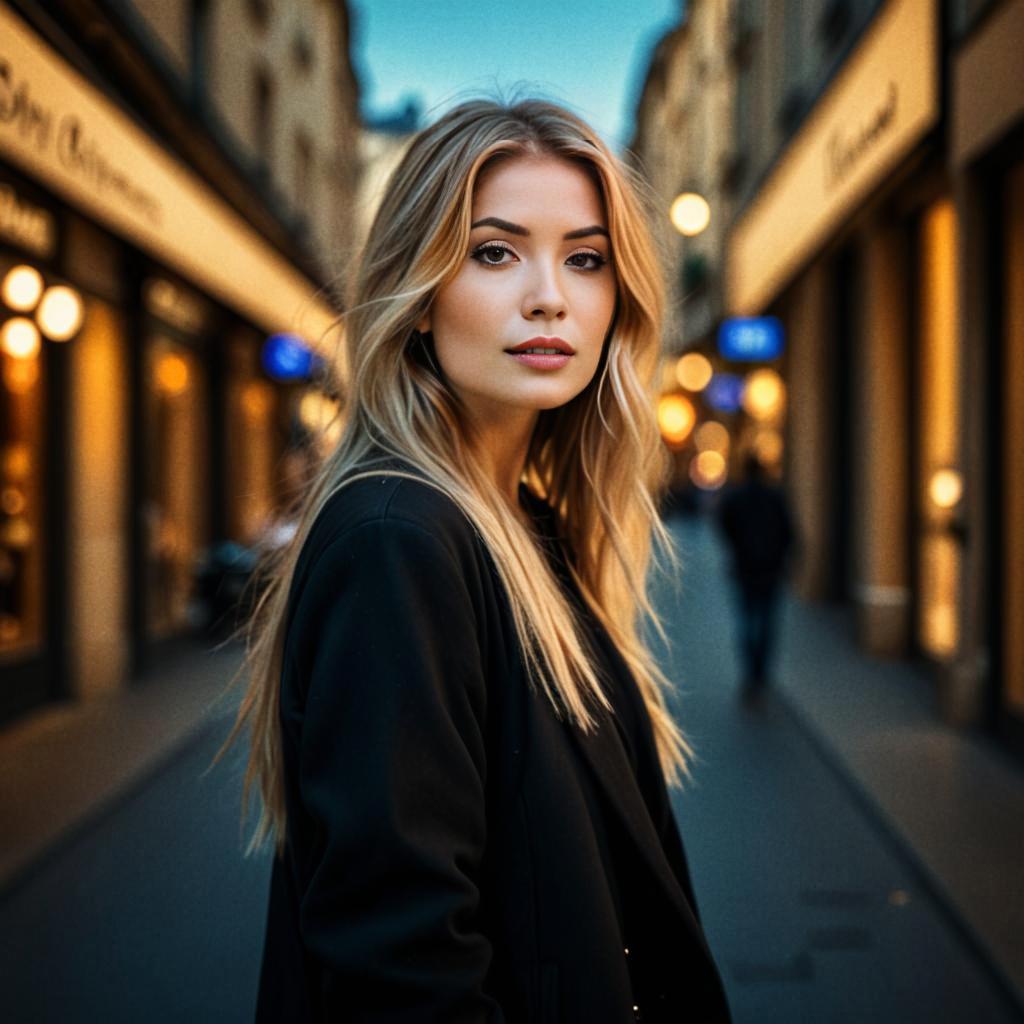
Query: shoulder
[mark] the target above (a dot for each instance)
(398, 504)
(385, 522)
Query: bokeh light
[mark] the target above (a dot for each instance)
(690, 214)
(171, 374)
(764, 395)
(708, 470)
(256, 400)
(693, 371)
(19, 338)
(945, 488)
(60, 313)
(20, 376)
(712, 436)
(22, 287)
(768, 446)
(676, 417)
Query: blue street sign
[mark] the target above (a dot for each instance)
(724, 392)
(286, 357)
(750, 338)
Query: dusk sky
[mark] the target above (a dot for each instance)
(592, 57)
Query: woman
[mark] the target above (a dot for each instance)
(460, 740)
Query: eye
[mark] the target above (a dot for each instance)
(491, 254)
(586, 259)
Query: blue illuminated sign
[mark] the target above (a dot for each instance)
(750, 338)
(724, 392)
(286, 357)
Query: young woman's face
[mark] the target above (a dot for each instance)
(538, 271)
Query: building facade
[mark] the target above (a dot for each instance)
(881, 219)
(177, 183)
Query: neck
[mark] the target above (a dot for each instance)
(502, 446)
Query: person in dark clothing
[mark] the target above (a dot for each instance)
(756, 522)
(459, 734)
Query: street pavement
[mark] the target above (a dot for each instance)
(150, 913)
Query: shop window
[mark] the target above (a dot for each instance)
(176, 506)
(21, 485)
(938, 426)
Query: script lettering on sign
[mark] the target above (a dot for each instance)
(846, 149)
(65, 136)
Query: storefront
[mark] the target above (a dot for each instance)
(122, 418)
(32, 583)
(987, 151)
(860, 217)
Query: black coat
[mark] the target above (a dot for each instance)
(455, 852)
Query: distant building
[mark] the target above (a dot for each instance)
(382, 143)
(881, 219)
(684, 143)
(177, 182)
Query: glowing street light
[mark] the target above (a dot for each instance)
(690, 213)
(693, 371)
(708, 470)
(945, 488)
(676, 417)
(22, 287)
(764, 394)
(19, 338)
(60, 312)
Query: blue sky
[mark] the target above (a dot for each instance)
(591, 56)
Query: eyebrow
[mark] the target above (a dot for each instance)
(518, 229)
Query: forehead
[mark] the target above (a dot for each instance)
(544, 188)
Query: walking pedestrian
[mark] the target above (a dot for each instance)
(461, 742)
(757, 525)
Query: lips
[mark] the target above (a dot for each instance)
(550, 346)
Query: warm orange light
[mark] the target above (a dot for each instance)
(20, 375)
(171, 374)
(946, 488)
(768, 446)
(60, 313)
(694, 371)
(19, 338)
(22, 287)
(322, 417)
(712, 436)
(12, 501)
(16, 461)
(707, 470)
(690, 213)
(255, 400)
(676, 417)
(764, 395)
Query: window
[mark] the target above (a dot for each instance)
(303, 171)
(263, 116)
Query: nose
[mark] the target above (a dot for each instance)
(544, 298)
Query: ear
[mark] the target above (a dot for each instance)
(423, 325)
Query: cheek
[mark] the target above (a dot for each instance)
(463, 308)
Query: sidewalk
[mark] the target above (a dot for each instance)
(953, 802)
(65, 765)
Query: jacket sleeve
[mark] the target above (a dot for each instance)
(392, 772)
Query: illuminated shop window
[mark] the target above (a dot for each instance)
(21, 491)
(938, 429)
(175, 501)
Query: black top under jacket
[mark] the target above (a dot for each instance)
(456, 853)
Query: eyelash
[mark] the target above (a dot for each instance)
(477, 254)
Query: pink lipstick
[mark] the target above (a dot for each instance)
(542, 353)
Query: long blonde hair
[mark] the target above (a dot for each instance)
(597, 460)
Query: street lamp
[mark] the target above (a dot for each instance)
(690, 213)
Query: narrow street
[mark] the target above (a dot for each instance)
(151, 914)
